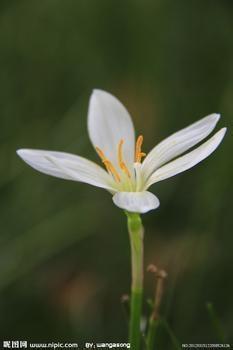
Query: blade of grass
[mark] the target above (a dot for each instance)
(171, 334)
(215, 323)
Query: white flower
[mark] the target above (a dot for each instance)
(126, 176)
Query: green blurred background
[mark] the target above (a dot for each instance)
(64, 251)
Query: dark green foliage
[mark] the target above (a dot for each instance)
(64, 250)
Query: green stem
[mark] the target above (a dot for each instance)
(136, 242)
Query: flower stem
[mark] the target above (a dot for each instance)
(136, 242)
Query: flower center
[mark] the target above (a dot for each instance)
(110, 167)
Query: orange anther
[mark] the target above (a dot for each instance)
(109, 166)
(138, 153)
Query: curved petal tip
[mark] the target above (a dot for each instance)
(108, 123)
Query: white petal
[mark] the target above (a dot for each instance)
(178, 143)
(136, 202)
(188, 160)
(108, 123)
(67, 166)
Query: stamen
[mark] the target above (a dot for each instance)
(138, 153)
(120, 159)
(109, 166)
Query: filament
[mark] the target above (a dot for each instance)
(120, 159)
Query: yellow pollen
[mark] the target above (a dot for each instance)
(120, 159)
(109, 166)
(138, 153)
